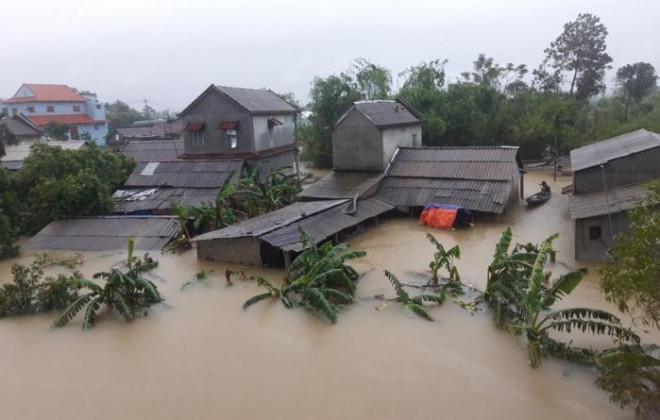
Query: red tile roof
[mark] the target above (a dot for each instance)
(48, 93)
(64, 119)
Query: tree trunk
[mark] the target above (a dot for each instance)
(573, 82)
(625, 118)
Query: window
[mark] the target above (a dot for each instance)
(197, 138)
(76, 108)
(414, 139)
(50, 108)
(98, 106)
(96, 127)
(5, 110)
(30, 109)
(232, 138)
(595, 232)
(14, 111)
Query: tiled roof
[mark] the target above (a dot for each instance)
(598, 203)
(106, 233)
(153, 150)
(184, 174)
(72, 119)
(48, 93)
(341, 185)
(614, 148)
(257, 100)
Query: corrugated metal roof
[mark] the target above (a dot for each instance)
(257, 100)
(138, 200)
(325, 224)
(268, 222)
(477, 178)
(153, 150)
(18, 152)
(596, 204)
(154, 129)
(614, 148)
(186, 174)
(341, 185)
(19, 126)
(106, 233)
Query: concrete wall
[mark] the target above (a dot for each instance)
(396, 137)
(213, 109)
(279, 135)
(596, 249)
(356, 145)
(235, 250)
(276, 161)
(98, 132)
(41, 108)
(635, 168)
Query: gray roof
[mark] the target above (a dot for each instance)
(20, 126)
(384, 113)
(596, 204)
(341, 185)
(268, 222)
(152, 130)
(257, 100)
(150, 199)
(153, 150)
(323, 225)
(106, 233)
(477, 178)
(16, 153)
(614, 148)
(184, 174)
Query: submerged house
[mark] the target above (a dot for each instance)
(608, 180)
(254, 125)
(153, 186)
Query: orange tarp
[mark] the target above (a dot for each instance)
(440, 218)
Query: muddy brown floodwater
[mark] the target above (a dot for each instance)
(201, 357)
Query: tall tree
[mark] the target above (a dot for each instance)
(371, 80)
(580, 50)
(636, 81)
(6, 137)
(120, 114)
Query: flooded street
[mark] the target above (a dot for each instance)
(201, 357)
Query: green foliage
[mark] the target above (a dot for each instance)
(10, 208)
(29, 292)
(55, 183)
(414, 304)
(631, 279)
(521, 302)
(445, 259)
(632, 377)
(6, 137)
(256, 196)
(126, 290)
(120, 114)
(57, 131)
(636, 81)
(318, 280)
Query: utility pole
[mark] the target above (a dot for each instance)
(146, 114)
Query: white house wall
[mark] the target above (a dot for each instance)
(279, 135)
(396, 137)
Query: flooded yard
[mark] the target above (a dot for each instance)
(200, 356)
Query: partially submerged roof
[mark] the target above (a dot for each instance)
(268, 222)
(255, 101)
(385, 114)
(48, 93)
(341, 185)
(160, 199)
(323, 225)
(614, 148)
(153, 150)
(598, 203)
(184, 174)
(477, 178)
(15, 154)
(106, 233)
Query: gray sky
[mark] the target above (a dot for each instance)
(170, 51)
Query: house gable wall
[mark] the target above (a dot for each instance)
(396, 137)
(357, 144)
(275, 136)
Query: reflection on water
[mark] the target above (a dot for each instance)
(200, 356)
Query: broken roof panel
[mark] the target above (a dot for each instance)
(614, 148)
(185, 174)
(155, 199)
(598, 203)
(106, 233)
(341, 185)
(268, 222)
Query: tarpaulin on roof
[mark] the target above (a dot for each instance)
(195, 125)
(445, 216)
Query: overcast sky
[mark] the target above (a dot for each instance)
(170, 51)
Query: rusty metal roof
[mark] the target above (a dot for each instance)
(614, 148)
(268, 222)
(324, 224)
(341, 185)
(149, 199)
(153, 150)
(597, 204)
(106, 233)
(258, 100)
(184, 174)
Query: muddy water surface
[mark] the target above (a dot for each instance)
(201, 357)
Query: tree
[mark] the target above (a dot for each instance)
(120, 114)
(504, 79)
(580, 49)
(631, 279)
(10, 208)
(636, 81)
(371, 80)
(57, 131)
(6, 137)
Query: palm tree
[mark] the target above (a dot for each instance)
(125, 290)
(318, 280)
(416, 304)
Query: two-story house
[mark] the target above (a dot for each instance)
(42, 104)
(238, 123)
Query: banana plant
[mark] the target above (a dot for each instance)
(414, 304)
(443, 258)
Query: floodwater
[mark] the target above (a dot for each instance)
(202, 357)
